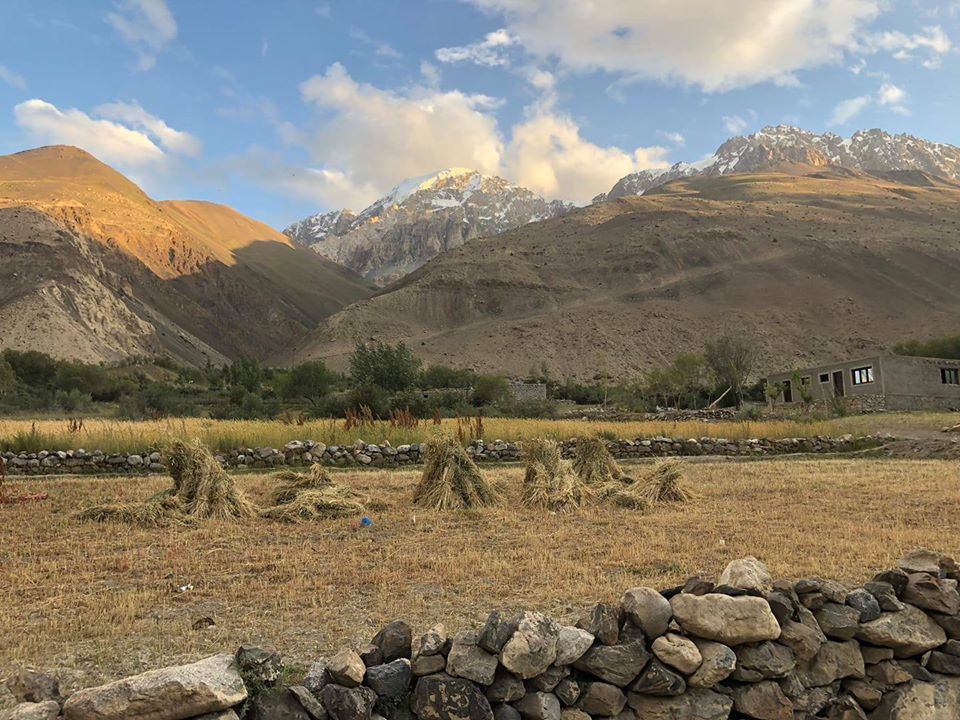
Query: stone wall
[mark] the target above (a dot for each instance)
(744, 647)
(307, 452)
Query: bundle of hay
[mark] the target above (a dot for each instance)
(301, 497)
(451, 479)
(594, 463)
(201, 489)
(665, 483)
(549, 481)
(625, 492)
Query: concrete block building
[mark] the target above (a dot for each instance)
(880, 382)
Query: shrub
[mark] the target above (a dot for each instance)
(390, 367)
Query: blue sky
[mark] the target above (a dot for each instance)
(285, 108)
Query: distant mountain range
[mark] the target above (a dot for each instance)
(866, 150)
(93, 269)
(419, 219)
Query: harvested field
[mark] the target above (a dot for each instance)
(101, 601)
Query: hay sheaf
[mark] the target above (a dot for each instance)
(451, 479)
(293, 483)
(665, 483)
(301, 497)
(593, 462)
(549, 481)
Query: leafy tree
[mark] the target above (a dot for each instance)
(246, 373)
(731, 360)
(680, 384)
(441, 376)
(772, 392)
(947, 347)
(32, 367)
(390, 367)
(490, 389)
(8, 378)
(311, 381)
(802, 390)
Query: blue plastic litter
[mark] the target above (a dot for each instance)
(365, 521)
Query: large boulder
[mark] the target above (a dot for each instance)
(678, 652)
(394, 640)
(725, 619)
(616, 664)
(46, 710)
(931, 593)
(441, 697)
(572, 643)
(390, 680)
(469, 661)
(648, 610)
(533, 646)
(348, 703)
(909, 632)
(695, 704)
(834, 661)
(747, 574)
(937, 700)
(172, 693)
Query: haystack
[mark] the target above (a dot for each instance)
(665, 483)
(201, 489)
(301, 497)
(593, 462)
(451, 479)
(550, 482)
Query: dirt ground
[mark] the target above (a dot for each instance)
(95, 602)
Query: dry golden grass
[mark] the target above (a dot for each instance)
(104, 600)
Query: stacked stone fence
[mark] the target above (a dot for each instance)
(744, 647)
(360, 454)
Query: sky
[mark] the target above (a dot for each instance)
(289, 107)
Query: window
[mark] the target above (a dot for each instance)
(805, 380)
(824, 377)
(862, 375)
(950, 376)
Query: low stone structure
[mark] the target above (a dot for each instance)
(751, 647)
(360, 454)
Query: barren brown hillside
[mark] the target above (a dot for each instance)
(813, 264)
(95, 270)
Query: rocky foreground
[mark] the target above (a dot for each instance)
(744, 647)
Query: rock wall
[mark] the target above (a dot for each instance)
(744, 647)
(307, 452)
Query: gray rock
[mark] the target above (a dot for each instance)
(932, 593)
(506, 687)
(309, 702)
(346, 668)
(615, 664)
(171, 693)
(390, 680)
(549, 678)
(804, 639)
(262, 666)
(943, 663)
(756, 662)
(317, 677)
(567, 691)
(763, 700)
(873, 655)
(371, 655)
(747, 574)
(539, 706)
(441, 697)
(885, 595)
(31, 686)
(533, 646)
(909, 632)
(658, 679)
(695, 704)
(864, 603)
(868, 695)
(348, 703)
(730, 620)
(496, 631)
(273, 704)
(599, 698)
(433, 641)
(648, 610)
(394, 640)
(469, 661)
(678, 652)
(572, 643)
(838, 622)
(719, 662)
(833, 662)
(920, 560)
(889, 672)
(937, 700)
(428, 664)
(45, 710)
(505, 712)
(603, 622)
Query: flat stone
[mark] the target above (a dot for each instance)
(869, 696)
(838, 622)
(309, 702)
(648, 610)
(719, 661)
(171, 693)
(343, 703)
(572, 643)
(763, 700)
(428, 665)
(931, 593)
(747, 574)
(920, 560)
(804, 639)
(678, 652)
(533, 646)
(834, 661)
(730, 620)
(45, 710)
(603, 622)
(441, 697)
(762, 661)
(539, 706)
(390, 680)
(616, 664)
(599, 698)
(695, 704)
(909, 632)
(943, 663)
(346, 668)
(496, 631)
(937, 700)
(889, 672)
(873, 655)
(469, 661)
(658, 679)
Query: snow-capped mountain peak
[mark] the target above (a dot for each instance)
(866, 150)
(419, 218)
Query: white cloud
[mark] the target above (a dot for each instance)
(676, 138)
(132, 114)
(933, 42)
(11, 78)
(734, 124)
(380, 49)
(848, 109)
(890, 94)
(147, 26)
(491, 51)
(716, 45)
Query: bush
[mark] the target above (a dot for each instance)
(490, 390)
(529, 408)
(373, 396)
(441, 376)
(392, 368)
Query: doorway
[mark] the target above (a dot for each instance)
(838, 384)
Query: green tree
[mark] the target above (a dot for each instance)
(681, 384)
(8, 378)
(32, 367)
(391, 367)
(731, 360)
(441, 376)
(489, 389)
(246, 373)
(311, 381)
(772, 392)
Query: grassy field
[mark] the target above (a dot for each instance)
(118, 435)
(101, 601)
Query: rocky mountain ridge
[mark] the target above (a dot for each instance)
(420, 218)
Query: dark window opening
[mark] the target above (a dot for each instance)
(950, 376)
(787, 391)
(824, 377)
(838, 389)
(862, 376)
(805, 380)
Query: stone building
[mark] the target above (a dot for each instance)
(528, 391)
(879, 382)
